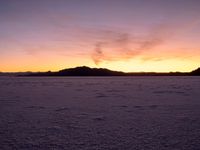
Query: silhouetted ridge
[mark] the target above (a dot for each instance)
(87, 71)
(81, 71)
(196, 72)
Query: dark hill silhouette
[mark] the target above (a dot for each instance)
(196, 72)
(86, 71)
(81, 71)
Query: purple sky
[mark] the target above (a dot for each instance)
(128, 35)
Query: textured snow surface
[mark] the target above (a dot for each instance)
(100, 113)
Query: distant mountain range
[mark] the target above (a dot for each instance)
(81, 71)
(87, 71)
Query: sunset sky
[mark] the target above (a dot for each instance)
(126, 35)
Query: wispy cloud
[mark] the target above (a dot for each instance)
(122, 46)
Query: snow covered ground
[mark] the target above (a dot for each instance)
(100, 113)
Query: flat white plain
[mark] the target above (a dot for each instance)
(89, 113)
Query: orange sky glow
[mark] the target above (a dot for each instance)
(130, 36)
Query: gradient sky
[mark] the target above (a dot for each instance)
(127, 35)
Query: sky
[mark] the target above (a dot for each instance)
(125, 35)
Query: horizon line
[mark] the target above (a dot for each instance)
(97, 68)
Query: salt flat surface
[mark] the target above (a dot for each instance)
(97, 113)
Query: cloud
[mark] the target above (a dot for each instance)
(98, 53)
(119, 46)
